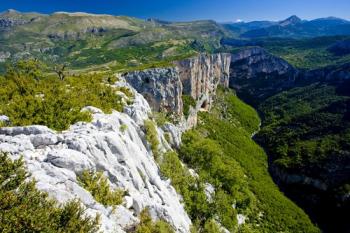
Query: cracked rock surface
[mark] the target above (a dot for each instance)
(55, 159)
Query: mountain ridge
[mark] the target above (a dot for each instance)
(293, 27)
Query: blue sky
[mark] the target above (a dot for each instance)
(182, 10)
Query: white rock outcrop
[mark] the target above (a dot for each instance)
(55, 159)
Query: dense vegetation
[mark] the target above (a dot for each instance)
(191, 189)
(147, 225)
(25, 209)
(306, 131)
(28, 96)
(306, 128)
(223, 154)
(98, 185)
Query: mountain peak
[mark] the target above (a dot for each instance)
(290, 21)
(9, 11)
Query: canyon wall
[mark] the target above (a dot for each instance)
(161, 87)
(197, 77)
(255, 72)
(201, 75)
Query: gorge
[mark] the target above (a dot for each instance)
(116, 143)
(157, 127)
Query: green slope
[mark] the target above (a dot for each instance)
(222, 152)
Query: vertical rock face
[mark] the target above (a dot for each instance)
(197, 77)
(201, 75)
(257, 73)
(162, 88)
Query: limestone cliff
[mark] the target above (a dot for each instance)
(116, 144)
(201, 75)
(255, 72)
(197, 77)
(161, 87)
(113, 143)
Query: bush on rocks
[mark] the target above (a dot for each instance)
(147, 225)
(23, 208)
(97, 184)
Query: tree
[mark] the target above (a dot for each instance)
(59, 70)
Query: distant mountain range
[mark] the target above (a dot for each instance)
(82, 40)
(292, 27)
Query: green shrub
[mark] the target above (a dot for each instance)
(161, 118)
(187, 101)
(191, 189)
(2, 124)
(97, 184)
(27, 96)
(111, 79)
(25, 209)
(211, 226)
(147, 225)
(171, 167)
(167, 137)
(123, 128)
(152, 137)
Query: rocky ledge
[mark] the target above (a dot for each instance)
(114, 144)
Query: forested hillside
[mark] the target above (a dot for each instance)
(306, 132)
(221, 151)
